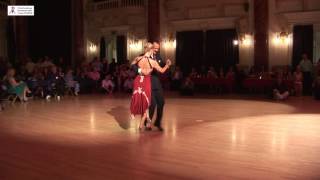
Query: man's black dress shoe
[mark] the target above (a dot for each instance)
(159, 128)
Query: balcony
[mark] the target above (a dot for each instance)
(114, 4)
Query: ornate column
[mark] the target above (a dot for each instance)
(77, 32)
(153, 20)
(261, 27)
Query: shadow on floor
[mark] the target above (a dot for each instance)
(121, 115)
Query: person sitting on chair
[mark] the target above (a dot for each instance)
(19, 88)
(71, 83)
(128, 84)
(107, 85)
(55, 83)
(280, 89)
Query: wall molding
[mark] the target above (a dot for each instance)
(306, 17)
(120, 30)
(204, 24)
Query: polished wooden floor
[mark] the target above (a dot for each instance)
(229, 137)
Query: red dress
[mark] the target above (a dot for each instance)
(141, 96)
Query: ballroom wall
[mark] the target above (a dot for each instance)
(109, 20)
(283, 15)
(186, 15)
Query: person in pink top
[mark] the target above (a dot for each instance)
(94, 74)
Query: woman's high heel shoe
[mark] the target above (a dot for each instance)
(148, 125)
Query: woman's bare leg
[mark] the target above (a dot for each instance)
(142, 120)
(148, 123)
(25, 91)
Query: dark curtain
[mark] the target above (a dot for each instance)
(102, 48)
(189, 51)
(302, 43)
(121, 49)
(50, 29)
(11, 40)
(220, 51)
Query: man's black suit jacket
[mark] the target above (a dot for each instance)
(155, 81)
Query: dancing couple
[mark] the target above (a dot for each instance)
(147, 91)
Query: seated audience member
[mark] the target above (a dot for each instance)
(123, 75)
(107, 85)
(94, 74)
(316, 86)
(83, 79)
(221, 73)
(96, 64)
(187, 87)
(61, 63)
(203, 71)
(71, 82)
(253, 72)
(56, 83)
(131, 73)
(35, 83)
(287, 75)
(176, 78)
(230, 74)
(38, 63)
(212, 73)
(280, 90)
(47, 62)
(93, 78)
(30, 66)
(298, 81)
(19, 88)
(194, 74)
(128, 84)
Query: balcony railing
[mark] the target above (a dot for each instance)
(113, 4)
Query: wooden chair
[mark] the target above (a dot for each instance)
(7, 96)
(12, 97)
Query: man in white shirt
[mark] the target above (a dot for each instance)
(306, 68)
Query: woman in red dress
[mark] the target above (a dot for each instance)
(141, 96)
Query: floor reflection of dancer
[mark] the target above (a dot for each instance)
(141, 96)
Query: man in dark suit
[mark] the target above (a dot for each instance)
(157, 100)
(157, 91)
